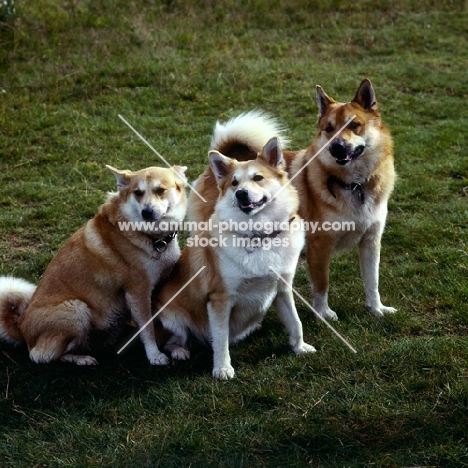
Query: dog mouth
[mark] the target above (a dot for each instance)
(342, 154)
(249, 207)
(344, 162)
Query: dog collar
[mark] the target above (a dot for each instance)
(353, 186)
(271, 235)
(161, 244)
(262, 235)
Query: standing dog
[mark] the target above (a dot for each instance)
(105, 269)
(349, 181)
(252, 232)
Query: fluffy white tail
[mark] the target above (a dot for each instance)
(251, 129)
(15, 295)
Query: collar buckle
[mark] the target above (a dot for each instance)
(161, 245)
(354, 187)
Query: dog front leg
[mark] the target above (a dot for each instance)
(319, 251)
(287, 313)
(369, 257)
(139, 303)
(219, 312)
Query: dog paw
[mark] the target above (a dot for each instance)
(159, 360)
(180, 354)
(86, 361)
(328, 314)
(381, 310)
(223, 373)
(79, 360)
(304, 348)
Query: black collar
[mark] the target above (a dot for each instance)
(354, 187)
(271, 235)
(252, 245)
(160, 243)
(263, 235)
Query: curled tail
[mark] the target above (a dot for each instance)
(241, 138)
(15, 295)
(244, 136)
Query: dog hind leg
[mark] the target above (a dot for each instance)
(177, 347)
(79, 360)
(52, 348)
(45, 350)
(53, 333)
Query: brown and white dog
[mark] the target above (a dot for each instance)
(250, 243)
(346, 184)
(107, 268)
(349, 181)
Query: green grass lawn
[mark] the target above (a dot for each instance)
(172, 68)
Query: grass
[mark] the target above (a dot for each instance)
(171, 68)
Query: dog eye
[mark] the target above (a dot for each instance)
(160, 191)
(329, 128)
(138, 193)
(234, 183)
(354, 125)
(257, 178)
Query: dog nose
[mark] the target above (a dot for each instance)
(242, 195)
(147, 213)
(338, 150)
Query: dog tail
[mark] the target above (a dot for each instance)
(15, 295)
(244, 136)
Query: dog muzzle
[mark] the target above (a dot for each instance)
(343, 153)
(245, 203)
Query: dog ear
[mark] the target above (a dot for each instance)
(272, 153)
(365, 95)
(220, 165)
(122, 177)
(323, 101)
(179, 172)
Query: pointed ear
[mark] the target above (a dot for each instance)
(365, 96)
(272, 153)
(220, 165)
(323, 101)
(122, 177)
(179, 173)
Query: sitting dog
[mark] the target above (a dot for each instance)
(350, 182)
(244, 264)
(107, 268)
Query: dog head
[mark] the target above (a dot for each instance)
(152, 194)
(249, 186)
(356, 135)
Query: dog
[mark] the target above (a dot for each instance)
(341, 178)
(105, 270)
(244, 263)
(351, 180)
